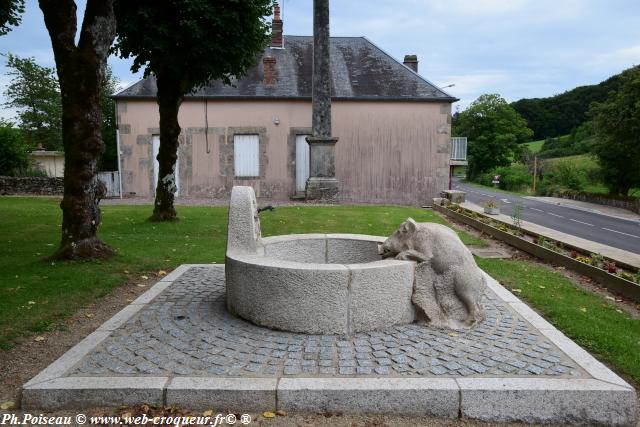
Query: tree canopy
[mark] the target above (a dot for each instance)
(35, 94)
(192, 41)
(10, 13)
(13, 151)
(561, 114)
(186, 43)
(616, 123)
(494, 130)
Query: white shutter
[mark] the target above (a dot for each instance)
(246, 155)
(302, 162)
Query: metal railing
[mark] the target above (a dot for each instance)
(459, 148)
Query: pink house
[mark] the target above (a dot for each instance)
(393, 127)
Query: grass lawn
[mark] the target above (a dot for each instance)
(535, 146)
(590, 320)
(36, 294)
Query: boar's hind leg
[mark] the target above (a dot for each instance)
(465, 289)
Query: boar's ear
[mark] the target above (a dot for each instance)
(410, 225)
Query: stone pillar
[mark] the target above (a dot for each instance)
(322, 182)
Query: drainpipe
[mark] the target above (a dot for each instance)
(115, 105)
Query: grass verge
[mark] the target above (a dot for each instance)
(590, 320)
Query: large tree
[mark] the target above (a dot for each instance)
(35, 94)
(616, 123)
(494, 130)
(80, 64)
(184, 44)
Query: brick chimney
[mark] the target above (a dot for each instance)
(277, 39)
(270, 72)
(411, 61)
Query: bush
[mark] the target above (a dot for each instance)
(561, 176)
(512, 178)
(13, 151)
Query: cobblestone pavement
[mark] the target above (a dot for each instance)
(186, 330)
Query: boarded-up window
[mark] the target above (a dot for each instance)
(246, 155)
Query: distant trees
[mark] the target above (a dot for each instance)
(186, 43)
(494, 130)
(616, 123)
(35, 94)
(13, 150)
(561, 114)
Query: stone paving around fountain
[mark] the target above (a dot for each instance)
(187, 331)
(177, 344)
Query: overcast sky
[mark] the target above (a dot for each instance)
(517, 48)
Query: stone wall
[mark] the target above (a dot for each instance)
(42, 186)
(629, 203)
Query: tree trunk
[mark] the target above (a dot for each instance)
(169, 99)
(80, 72)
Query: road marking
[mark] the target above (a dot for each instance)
(585, 223)
(620, 232)
(536, 209)
(559, 216)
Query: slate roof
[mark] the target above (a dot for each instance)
(360, 71)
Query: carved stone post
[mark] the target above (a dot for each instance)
(322, 182)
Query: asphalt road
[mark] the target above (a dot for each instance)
(619, 233)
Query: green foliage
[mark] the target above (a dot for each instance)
(616, 123)
(192, 41)
(515, 177)
(560, 176)
(561, 114)
(563, 146)
(34, 92)
(109, 160)
(494, 130)
(10, 11)
(13, 151)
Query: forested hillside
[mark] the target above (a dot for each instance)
(560, 114)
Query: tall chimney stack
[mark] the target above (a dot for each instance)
(277, 39)
(411, 61)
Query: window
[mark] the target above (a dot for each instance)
(246, 155)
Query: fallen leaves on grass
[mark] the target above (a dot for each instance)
(162, 273)
(7, 405)
(39, 338)
(516, 290)
(268, 414)
(583, 309)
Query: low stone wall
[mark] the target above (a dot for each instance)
(37, 185)
(629, 203)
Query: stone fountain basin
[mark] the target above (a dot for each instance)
(320, 284)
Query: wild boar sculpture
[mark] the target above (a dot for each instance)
(448, 283)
